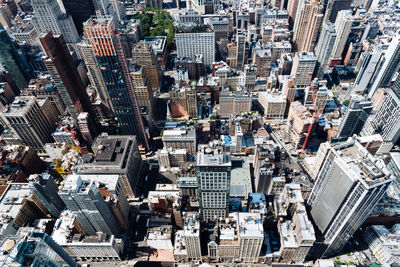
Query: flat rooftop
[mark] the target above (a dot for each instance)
(213, 158)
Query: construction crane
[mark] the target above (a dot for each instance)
(73, 136)
(316, 113)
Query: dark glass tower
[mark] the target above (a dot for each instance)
(109, 53)
(13, 61)
(80, 11)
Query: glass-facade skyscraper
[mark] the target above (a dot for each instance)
(13, 61)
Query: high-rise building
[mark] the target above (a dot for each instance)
(106, 44)
(369, 69)
(66, 77)
(80, 11)
(389, 67)
(45, 189)
(30, 248)
(214, 177)
(144, 56)
(387, 120)
(349, 183)
(84, 199)
(96, 79)
(241, 49)
(333, 7)
(343, 27)
(31, 120)
(116, 155)
(303, 68)
(87, 127)
(324, 48)
(196, 41)
(143, 90)
(356, 115)
(263, 167)
(50, 18)
(307, 25)
(13, 61)
(192, 236)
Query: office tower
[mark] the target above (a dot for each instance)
(324, 48)
(180, 138)
(349, 184)
(292, 7)
(80, 11)
(31, 121)
(30, 248)
(84, 199)
(273, 104)
(333, 7)
(50, 18)
(307, 25)
(144, 56)
(45, 190)
(356, 115)
(106, 44)
(143, 90)
(387, 120)
(214, 177)
(196, 41)
(369, 69)
(96, 78)
(192, 236)
(263, 59)
(87, 127)
(241, 49)
(13, 61)
(343, 25)
(303, 68)
(116, 155)
(263, 167)
(389, 67)
(66, 78)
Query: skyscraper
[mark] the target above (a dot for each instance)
(214, 177)
(13, 61)
(50, 18)
(303, 68)
(387, 120)
(110, 57)
(369, 69)
(34, 249)
(343, 25)
(143, 91)
(241, 49)
(333, 7)
(349, 184)
(66, 77)
(30, 121)
(80, 11)
(307, 25)
(95, 78)
(324, 47)
(84, 199)
(389, 67)
(144, 56)
(356, 115)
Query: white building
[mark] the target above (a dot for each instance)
(348, 186)
(50, 17)
(98, 248)
(193, 41)
(384, 243)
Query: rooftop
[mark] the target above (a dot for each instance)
(211, 157)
